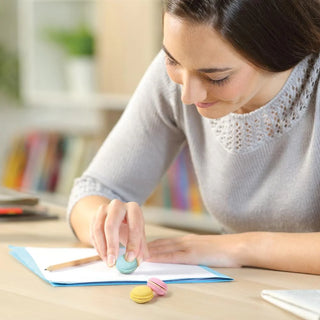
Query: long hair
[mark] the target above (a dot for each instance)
(273, 34)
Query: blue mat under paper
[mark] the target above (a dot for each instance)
(22, 255)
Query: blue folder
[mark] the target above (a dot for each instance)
(22, 255)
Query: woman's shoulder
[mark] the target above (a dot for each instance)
(316, 81)
(313, 73)
(307, 79)
(312, 86)
(313, 68)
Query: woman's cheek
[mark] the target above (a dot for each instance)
(229, 92)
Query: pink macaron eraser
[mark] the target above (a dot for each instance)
(158, 286)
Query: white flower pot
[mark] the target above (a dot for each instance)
(81, 78)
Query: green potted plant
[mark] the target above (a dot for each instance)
(79, 46)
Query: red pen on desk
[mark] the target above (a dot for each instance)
(10, 210)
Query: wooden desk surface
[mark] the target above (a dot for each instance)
(25, 296)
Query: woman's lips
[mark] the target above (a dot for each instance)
(205, 104)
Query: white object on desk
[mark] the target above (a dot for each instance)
(303, 303)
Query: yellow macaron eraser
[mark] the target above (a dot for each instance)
(141, 294)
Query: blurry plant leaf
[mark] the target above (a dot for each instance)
(77, 42)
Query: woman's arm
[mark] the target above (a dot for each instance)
(128, 166)
(296, 252)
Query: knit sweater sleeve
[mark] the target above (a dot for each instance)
(140, 148)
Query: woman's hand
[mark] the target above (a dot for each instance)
(209, 250)
(119, 222)
(295, 252)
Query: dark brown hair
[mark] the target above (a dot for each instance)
(273, 34)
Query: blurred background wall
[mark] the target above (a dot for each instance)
(8, 24)
(67, 71)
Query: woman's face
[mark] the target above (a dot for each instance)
(214, 77)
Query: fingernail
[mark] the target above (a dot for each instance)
(130, 256)
(111, 260)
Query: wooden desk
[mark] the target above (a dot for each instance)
(25, 296)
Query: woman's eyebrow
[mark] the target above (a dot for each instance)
(213, 70)
(204, 70)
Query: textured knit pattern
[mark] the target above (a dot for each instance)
(256, 171)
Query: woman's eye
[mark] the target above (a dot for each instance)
(170, 61)
(219, 82)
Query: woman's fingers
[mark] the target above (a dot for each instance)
(116, 214)
(123, 234)
(115, 223)
(169, 243)
(172, 250)
(171, 257)
(97, 232)
(144, 251)
(136, 246)
(166, 251)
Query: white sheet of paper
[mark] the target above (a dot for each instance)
(99, 272)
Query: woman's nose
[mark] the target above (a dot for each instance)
(193, 90)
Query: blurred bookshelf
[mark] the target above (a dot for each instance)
(69, 120)
(46, 161)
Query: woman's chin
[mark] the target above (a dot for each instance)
(211, 113)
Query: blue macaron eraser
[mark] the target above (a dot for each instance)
(126, 267)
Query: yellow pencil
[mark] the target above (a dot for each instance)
(73, 263)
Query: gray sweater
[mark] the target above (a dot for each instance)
(256, 171)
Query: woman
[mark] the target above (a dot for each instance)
(237, 81)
